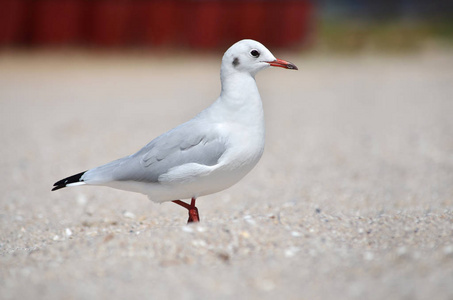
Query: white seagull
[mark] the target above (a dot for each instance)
(205, 155)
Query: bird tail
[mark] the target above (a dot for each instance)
(69, 181)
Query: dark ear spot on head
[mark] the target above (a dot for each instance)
(236, 62)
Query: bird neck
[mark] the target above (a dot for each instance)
(239, 88)
(240, 101)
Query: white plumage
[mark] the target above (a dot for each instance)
(207, 154)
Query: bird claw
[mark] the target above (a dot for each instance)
(193, 210)
(193, 215)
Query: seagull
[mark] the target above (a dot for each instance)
(205, 155)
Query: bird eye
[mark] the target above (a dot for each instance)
(255, 53)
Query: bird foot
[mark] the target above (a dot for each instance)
(193, 210)
(193, 215)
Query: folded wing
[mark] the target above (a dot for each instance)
(185, 144)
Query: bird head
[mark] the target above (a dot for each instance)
(251, 57)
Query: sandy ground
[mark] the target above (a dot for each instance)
(352, 199)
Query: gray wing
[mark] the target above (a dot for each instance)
(190, 142)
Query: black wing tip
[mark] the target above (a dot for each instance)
(64, 182)
(58, 187)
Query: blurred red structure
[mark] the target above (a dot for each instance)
(119, 23)
(13, 21)
(56, 22)
(110, 23)
(157, 22)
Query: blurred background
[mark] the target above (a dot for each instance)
(216, 24)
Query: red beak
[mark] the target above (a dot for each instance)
(282, 64)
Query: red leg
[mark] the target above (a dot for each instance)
(193, 211)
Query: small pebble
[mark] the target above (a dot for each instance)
(199, 243)
(201, 228)
(448, 250)
(401, 250)
(81, 200)
(128, 214)
(187, 229)
(245, 234)
(249, 219)
(368, 256)
(290, 252)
